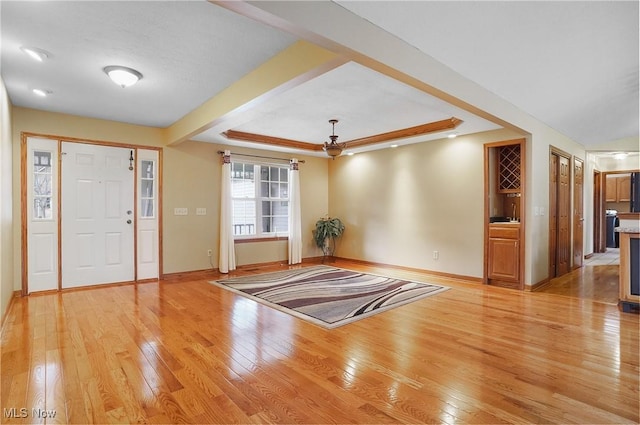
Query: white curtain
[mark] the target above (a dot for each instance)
(295, 222)
(227, 261)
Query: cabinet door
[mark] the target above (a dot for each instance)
(504, 256)
(624, 189)
(611, 189)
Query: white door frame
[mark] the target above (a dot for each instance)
(150, 261)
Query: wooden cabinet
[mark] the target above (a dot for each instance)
(623, 189)
(618, 189)
(504, 255)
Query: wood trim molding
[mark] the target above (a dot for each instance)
(270, 140)
(432, 127)
(250, 240)
(457, 277)
(418, 130)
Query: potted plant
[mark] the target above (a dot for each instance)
(325, 234)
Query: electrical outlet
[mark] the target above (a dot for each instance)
(436, 254)
(209, 253)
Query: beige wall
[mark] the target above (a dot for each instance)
(192, 180)
(399, 205)
(7, 275)
(191, 173)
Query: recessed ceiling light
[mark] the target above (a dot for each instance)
(452, 135)
(394, 146)
(35, 53)
(350, 153)
(123, 76)
(41, 92)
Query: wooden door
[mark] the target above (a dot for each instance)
(97, 215)
(598, 213)
(564, 207)
(559, 214)
(553, 214)
(578, 212)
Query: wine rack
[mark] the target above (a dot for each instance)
(509, 169)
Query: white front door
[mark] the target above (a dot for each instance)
(97, 215)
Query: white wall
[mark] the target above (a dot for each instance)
(7, 273)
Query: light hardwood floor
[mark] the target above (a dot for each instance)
(188, 351)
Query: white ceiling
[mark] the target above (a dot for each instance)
(572, 65)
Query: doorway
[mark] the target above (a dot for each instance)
(559, 217)
(91, 213)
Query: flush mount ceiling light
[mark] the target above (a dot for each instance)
(452, 135)
(122, 76)
(35, 53)
(333, 148)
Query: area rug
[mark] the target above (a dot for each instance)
(329, 296)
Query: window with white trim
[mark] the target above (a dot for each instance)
(260, 197)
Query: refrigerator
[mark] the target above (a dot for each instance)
(635, 192)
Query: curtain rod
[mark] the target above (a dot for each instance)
(258, 156)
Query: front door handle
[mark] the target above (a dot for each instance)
(128, 221)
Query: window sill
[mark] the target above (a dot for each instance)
(271, 239)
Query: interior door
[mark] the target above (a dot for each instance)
(559, 214)
(97, 215)
(564, 219)
(578, 213)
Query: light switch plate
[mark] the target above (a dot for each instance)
(180, 211)
(201, 211)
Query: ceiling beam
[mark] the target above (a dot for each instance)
(300, 62)
(403, 133)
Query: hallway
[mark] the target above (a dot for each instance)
(597, 280)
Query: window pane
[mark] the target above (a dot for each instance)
(264, 173)
(244, 217)
(147, 208)
(40, 160)
(42, 185)
(147, 169)
(274, 193)
(147, 189)
(284, 190)
(42, 208)
(266, 224)
(242, 189)
(280, 208)
(284, 174)
(266, 208)
(281, 224)
(264, 189)
(275, 174)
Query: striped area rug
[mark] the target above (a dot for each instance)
(329, 296)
